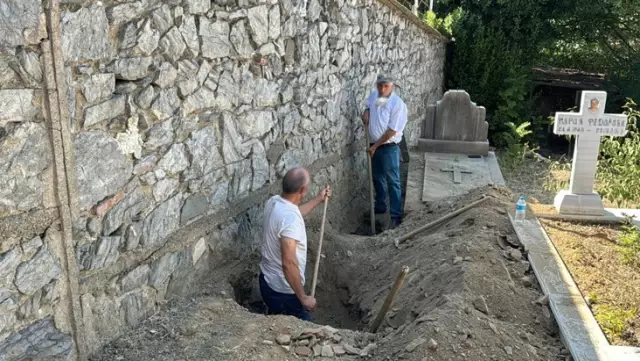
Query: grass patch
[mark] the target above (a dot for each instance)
(613, 320)
(629, 244)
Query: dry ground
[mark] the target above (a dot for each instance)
(611, 287)
(467, 297)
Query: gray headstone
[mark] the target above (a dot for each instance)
(458, 118)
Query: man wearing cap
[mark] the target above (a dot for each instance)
(386, 117)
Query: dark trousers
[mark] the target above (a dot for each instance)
(282, 303)
(385, 169)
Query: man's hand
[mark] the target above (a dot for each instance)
(309, 303)
(324, 193)
(372, 150)
(365, 117)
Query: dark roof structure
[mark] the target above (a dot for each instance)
(569, 78)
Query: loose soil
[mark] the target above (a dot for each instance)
(611, 287)
(465, 298)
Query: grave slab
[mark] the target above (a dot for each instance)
(450, 175)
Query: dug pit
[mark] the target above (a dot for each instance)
(332, 291)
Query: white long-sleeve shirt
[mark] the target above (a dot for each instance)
(383, 115)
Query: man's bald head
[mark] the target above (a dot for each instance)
(295, 180)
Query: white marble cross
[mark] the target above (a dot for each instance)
(588, 126)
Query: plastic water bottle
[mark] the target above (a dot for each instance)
(521, 209)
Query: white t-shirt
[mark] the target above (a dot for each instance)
(390, 113)
(281, 219)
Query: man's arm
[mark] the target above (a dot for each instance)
(385, 137)
(316, 201)
(292, 272)
(365, 117)
(308, 207)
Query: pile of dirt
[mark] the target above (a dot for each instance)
(470, 295)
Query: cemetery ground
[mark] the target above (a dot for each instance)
(466, 297)
(606, 271)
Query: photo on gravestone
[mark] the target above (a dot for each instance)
(588, 125)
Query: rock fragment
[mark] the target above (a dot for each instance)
(481, 305)
(508, 350)
(303, 351)
(414, 344)
(283, 339)
(368, 350)
(542, 300)
(515, 254)
(351, 350)
(327, 351)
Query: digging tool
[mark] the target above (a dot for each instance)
(317, 266)
(387, 302)
(440, 220)
(371, 200)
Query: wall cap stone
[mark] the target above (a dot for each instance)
(396, 6)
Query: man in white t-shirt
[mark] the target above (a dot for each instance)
(386, 117)
(284, 247)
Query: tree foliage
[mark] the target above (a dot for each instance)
(497, 42)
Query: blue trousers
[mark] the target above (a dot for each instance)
(385, 168)
(282, 303)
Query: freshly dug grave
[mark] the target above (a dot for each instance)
(469, 296)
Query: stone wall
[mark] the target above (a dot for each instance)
(139, 139)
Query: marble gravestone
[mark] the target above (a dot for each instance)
(451, 175)
(588, 126)
(455, 124)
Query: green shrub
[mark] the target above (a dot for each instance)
(443, 25)
(619, 165)
(516, 147)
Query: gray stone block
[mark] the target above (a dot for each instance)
(33, 274)
(39, 341)
(99, 174)
(18, 105)
(194, 206)
(579, 204)
(85, 34)
(455, 147)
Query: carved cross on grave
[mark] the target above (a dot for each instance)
(457, 173)
(588, 126)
